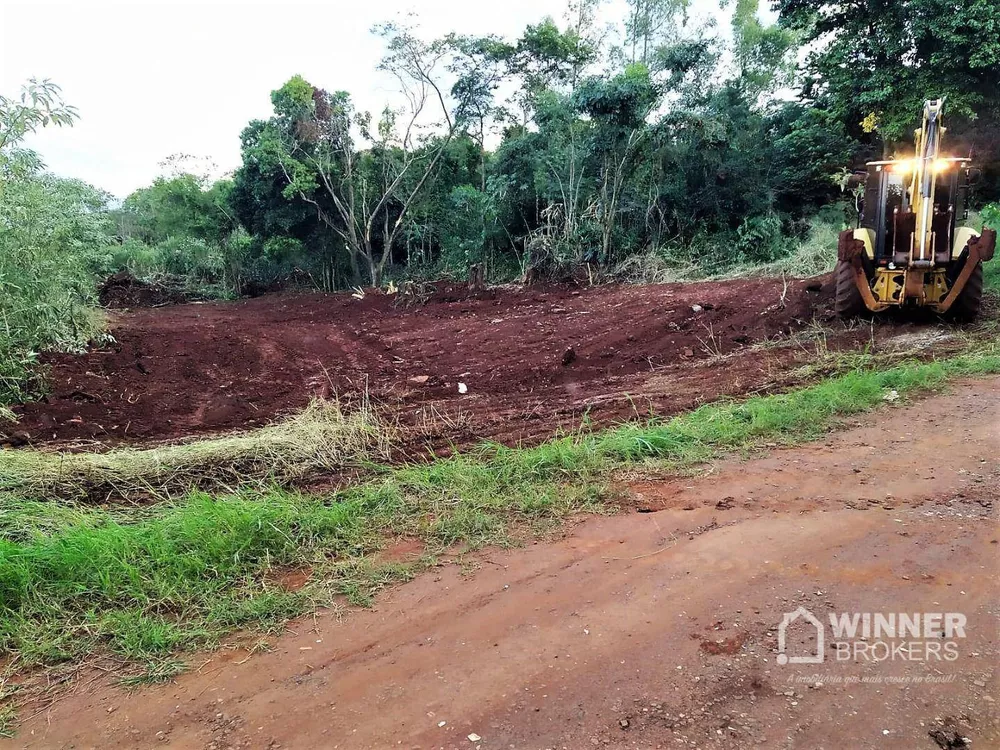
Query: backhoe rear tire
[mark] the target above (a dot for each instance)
(970, 299)
(848, 302)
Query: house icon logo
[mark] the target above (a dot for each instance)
(787, 619)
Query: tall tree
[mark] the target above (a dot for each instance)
(618, 107)
(874, 63)
(479, 66)
(363, 198)
(650, 24)
(763, 53)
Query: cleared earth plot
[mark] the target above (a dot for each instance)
(531, 360)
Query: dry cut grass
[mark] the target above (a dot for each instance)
(322, 438)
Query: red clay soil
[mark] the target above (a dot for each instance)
(532, 360)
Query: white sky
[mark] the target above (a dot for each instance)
(153, 79)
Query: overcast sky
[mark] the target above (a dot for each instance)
(153, 79)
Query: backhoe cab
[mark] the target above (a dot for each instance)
(911, 248)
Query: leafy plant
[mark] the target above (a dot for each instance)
(50, 228)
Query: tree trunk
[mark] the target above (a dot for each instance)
(331, 270)
(477, 281)
(352, 254)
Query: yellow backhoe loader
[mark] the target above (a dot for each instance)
(910, 248)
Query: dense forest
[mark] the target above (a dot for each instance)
(655, 148)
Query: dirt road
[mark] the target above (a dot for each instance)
(646, 630)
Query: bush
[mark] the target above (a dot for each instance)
(462, 241)
(760, 240)
(52, 230)
(991, 215)
(190, 257)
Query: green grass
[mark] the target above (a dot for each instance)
(991, 276)
(146, 583)
(990, 217)
(154, 673)
(189, 571)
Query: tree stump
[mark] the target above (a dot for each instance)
(477, 280)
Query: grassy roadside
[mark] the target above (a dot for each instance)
(143, 584)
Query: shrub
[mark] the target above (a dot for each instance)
(51, 230)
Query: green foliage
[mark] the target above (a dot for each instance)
(365, 202)
(877, 62)
(546, 55)
(759, 239)
(50, 228)
(811, 254)
(462, 240)
(991, 215)
(59, 236)
(764, 55)
(180, 226)
(648, 24)
(991, 271)
(710, 179)
(39, 105)
(618, 105)
(991, 277)
(283, 234)
(181, 206)
(808, 146)
(590, 168)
